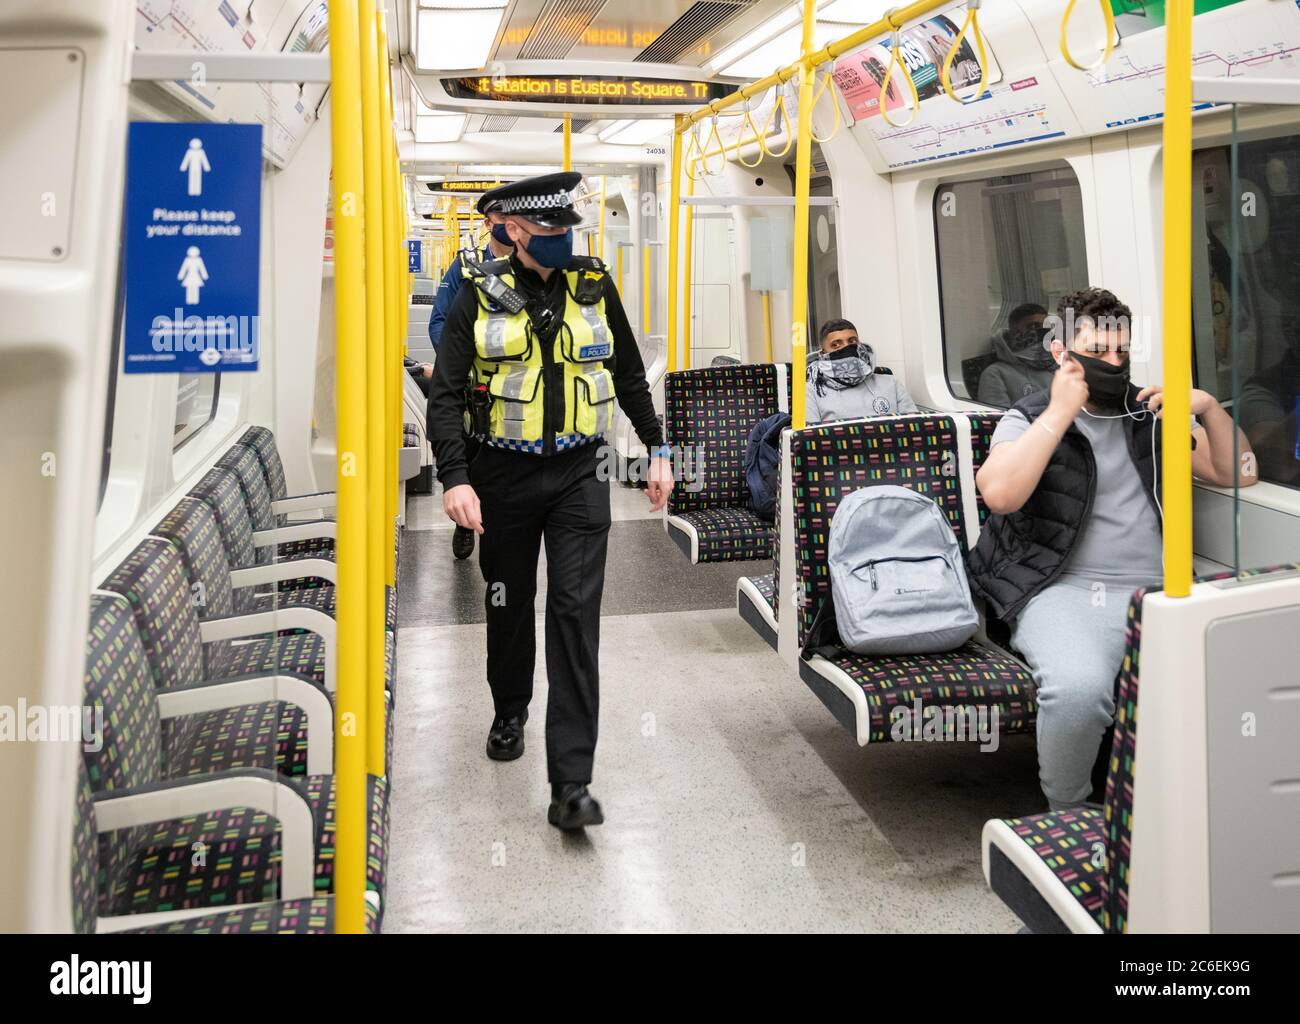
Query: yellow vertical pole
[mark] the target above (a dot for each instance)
(688, 268)
(397, 289)
(767, 328)
(1176, 465)
(568, 142)
(350, 545)
(645, 294)
(802, 176)
(376, 384)
(619, 275)
(674, 198)
(600, 229)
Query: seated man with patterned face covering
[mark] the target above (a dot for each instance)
(843, 383)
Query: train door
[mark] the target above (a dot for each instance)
(713, 288)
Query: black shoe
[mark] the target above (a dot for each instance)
(572, 807)
(505, 740)
(462, 543)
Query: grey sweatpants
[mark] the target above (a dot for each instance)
(1072, 637)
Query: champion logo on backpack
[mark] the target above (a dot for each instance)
(898, 581)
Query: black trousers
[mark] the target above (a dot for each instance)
(525, 499)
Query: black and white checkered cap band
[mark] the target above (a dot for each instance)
(551, 201)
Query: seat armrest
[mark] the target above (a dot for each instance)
(317, 502)
(276, 572)
(316, 529)
(237, 627)
(258, 788)
(218, 694)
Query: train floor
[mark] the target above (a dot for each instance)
(733, 800)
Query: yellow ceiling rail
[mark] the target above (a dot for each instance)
(1176, 307)
(373, 137)
(1109, 15)
(350, 545)
(972, 23)
(891, 22)
(896, 58)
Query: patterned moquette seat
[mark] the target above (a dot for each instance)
(258, 497)
(982, 426)
(308, 916)
(1067, 871)
(709, 413)
(162, 596)
(262, 441)
(155, 867)
(875, 698)
(221, 491)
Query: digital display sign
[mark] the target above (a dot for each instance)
(461, 185)
(612, 90)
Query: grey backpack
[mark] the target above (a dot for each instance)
(898, 581)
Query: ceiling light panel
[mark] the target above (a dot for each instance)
(456, 36)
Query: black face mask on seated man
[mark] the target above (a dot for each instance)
(1107, 383)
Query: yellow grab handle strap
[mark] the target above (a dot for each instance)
(785, 120)
(708, 142)
(758, 137)
(835, 105)
(895, 58)
(1109, 15)
(692, 141)
(945, 74)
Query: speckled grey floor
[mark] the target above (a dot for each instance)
(733, 800)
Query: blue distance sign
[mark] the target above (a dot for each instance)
(414, 257)
(193, 247)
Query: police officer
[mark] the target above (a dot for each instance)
(547, 347)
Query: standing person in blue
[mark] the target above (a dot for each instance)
(498, 247)
(548, 349)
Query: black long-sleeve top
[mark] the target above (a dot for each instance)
(446, 409)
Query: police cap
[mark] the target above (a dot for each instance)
(546, 199)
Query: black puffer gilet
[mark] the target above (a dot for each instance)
(1022, 552)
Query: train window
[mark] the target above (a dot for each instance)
(1266, 311)
(1011, 244)
(196, 403)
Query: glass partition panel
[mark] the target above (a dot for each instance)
(1009, 247)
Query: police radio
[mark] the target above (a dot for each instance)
(491, 285)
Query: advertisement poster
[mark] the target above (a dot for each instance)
(923, 48)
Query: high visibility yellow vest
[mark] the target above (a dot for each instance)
(510, 360)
